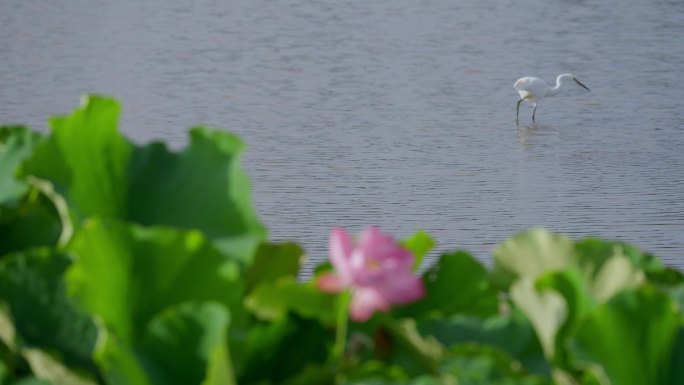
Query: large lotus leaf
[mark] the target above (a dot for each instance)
(593, 253)
(32, 221)
(553, 303)
(43, 316)
(273, 300)
(513, 333)
(26, 220)
(456, 284)
(273, 261)
(126, 273)
(408, 348)
(118, 361)
(202, 187)
(261, 341)
(187, 344)
(16, 144)
(615, 274)
(463, 364)
(486, 365)
(632, 337)
(558, 300)
(547, 312)
(529, 255)
(572, 286)
(665, 276)
(184, 344)
(87, 159)
(286, 348)
(100, 173)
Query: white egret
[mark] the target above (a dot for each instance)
(534, 89)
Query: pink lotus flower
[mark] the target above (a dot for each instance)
(376, 270)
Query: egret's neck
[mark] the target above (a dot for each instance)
(554, 90)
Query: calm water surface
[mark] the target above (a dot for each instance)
(394, 113)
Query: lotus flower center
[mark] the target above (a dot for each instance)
(373, 264)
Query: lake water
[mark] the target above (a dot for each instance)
(389, 112)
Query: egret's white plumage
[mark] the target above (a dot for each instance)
(534, 89)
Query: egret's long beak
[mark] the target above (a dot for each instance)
(583, 86)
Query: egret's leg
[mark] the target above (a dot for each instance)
(534, 111)
(517, 111)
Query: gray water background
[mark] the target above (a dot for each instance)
(393, 113)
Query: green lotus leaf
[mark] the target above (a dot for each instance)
(100, 173)
(632, 338)
(126, 273)
(487, 365)
(555, 303)
(32, 221)
(16, 144)
(274, 300)
(195, 334)
(200, 188)
(273, 261)
(283, 351)
(456, 284)
(184, 344)
(513, 333)
(531, 254)
(42, 315)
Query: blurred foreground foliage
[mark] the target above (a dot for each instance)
(124, 264)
